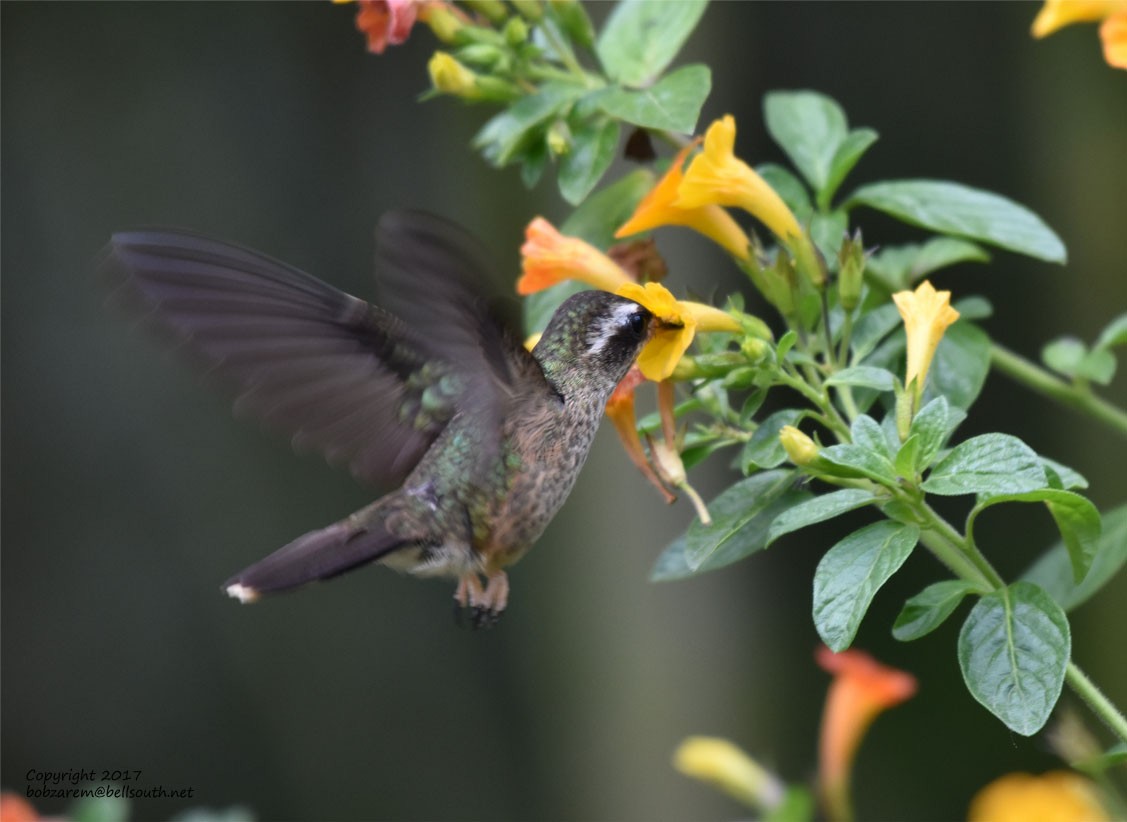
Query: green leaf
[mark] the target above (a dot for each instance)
(1098, 366)
(1053, 570)
(641, 38)
(1013, 651)
(1076, 517)
(866, 376)
(819, 509)
(907, 460)
(858, 461)
(951, 208)
(592, 151)
(741, 516)
(867, 433)
(974, 308)
(987, 464)
(809, 127)
(1061, 476)
(933, 425)
(509, 134)
(1115, 333)
(897, 267)
(764, 450)
(1064, 355)
(600, 214)
(738, 525)
(928, 609)
(671, 104)
(851, 573)
(848, 152)
(871, 328)
(960, 366)
(828, 232)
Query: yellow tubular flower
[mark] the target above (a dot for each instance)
(1113, 35)
(717, 177)
(926, 314)
(548, 257)
(678, 323)
(658, 208)
(724, 765)
(1057, 796)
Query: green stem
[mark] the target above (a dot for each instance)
(1101, 706)
(1081, 398)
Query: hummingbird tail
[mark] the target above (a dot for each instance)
(320, 554)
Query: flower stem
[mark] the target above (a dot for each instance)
(1101, 706)
(1081, 398)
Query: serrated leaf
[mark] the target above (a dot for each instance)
(1115, 333)
(764, 450)
(951, 208)
(867, 433)
(740, 519)
(928, 609)
(809, 127)
(641, 38)
(856, 461)
(819, 509)
(865, 376)
(851, 573)
(1053, 570)
(987, 464)
(1076, 517)
(671, 104)
(592, 151)
(1013, 651)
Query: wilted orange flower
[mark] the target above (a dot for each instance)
(1056, 14)
(1057, 796)
(548, 257)
(659, 208)
(926, 314)
(862, 688)
(678, 323)
(620, 409)
(386, 22)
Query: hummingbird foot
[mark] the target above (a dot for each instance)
(481, 606)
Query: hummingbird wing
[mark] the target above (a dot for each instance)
(339, 375)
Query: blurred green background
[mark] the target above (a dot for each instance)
(129, 493)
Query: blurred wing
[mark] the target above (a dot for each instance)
(337, 374)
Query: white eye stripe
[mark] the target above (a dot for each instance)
(620, 318)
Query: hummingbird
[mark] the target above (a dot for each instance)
(426, 388)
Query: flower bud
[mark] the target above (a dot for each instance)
(515, 31)
(800, 448)
(443, 20)
(529, 9)
(449, 76)
(559, 138)
(851, 268)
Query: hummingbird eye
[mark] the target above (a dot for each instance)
(637, 323)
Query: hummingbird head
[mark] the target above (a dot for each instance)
(591, 342)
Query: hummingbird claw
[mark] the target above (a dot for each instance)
(478, 606)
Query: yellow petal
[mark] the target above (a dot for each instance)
(709, 318)
(926, 314)
(1057, 14)
(721, 763)
(1057, 796)
(717, 177)
(664, 350)
(1113, 36)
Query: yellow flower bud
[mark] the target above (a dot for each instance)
(800, 448)
(451, 77)
(721, 763)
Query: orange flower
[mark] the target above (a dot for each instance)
(548, 257)
(14, 808)
(1057, 14)
(1057, 796)
(659, 208)
(862, 689)
(620, 409)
